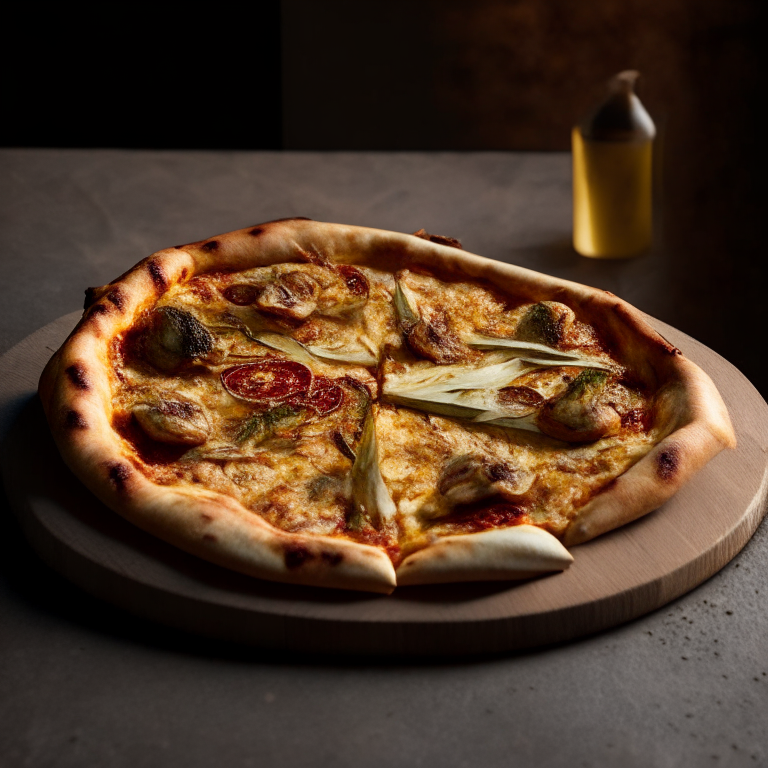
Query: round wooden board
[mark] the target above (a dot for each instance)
(614, 578)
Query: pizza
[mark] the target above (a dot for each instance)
(345, 407)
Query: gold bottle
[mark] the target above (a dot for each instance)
(612, 158)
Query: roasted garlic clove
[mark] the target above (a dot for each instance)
(435, 340)
(178, 422)
(292, 295)
(471, 477)
(346, 295)
(582, 413)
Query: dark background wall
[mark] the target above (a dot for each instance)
(122, 75)
(431, 74)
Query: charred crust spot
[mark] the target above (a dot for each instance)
(332, 558)
(77, 375)
(73, 420)
(91, 295)
(184, 273)
(116, 297)
(158, 275)
(118, 475)
(99, 309)
(667, 463)
(206, 518)
(209, 537)
(256, 231)
(296, 555)
(289, 218)
(178, 247)
(451, 242)
(211, 245)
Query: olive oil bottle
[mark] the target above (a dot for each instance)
(612, 159)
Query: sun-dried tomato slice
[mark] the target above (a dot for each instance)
(268, 381)
(356, 281)
(485, 514)
(325, 396)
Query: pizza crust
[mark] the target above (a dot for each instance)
(76, 393)
(504, 554)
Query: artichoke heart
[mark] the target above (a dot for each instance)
(371, 497)
(479, 393)
(406, 306)
(174, 337)
(532, 351)
(454, 390)
(294, 349)
(345, 354)
(307, 353)
(547, 322)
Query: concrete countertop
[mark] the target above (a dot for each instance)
(86, 685)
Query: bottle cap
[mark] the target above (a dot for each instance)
(621, 117)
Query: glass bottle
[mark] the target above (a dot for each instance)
(612, 159)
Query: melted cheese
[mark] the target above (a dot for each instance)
(292, 467)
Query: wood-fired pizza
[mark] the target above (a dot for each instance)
(346, 407)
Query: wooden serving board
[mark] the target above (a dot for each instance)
(614, 578)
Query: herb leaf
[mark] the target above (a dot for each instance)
(261, 424)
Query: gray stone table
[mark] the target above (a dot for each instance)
(86, 685)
